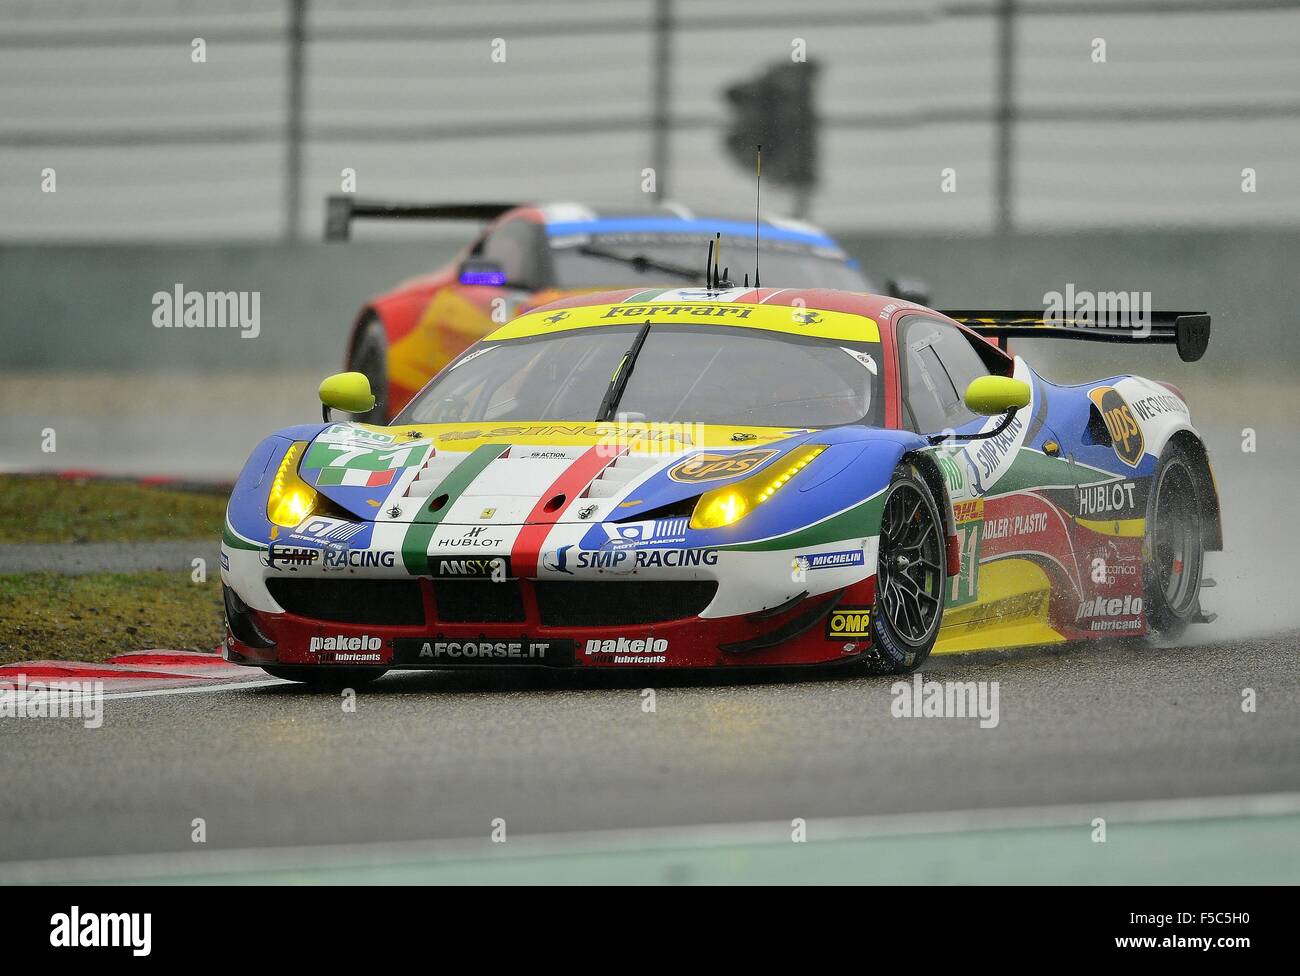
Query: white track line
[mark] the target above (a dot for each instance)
(370, 855)
(196, 689)
(54, 694)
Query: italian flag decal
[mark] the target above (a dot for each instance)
(361, 467)
(355, 477)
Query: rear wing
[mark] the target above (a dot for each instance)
(342, 209)
(1189, 331)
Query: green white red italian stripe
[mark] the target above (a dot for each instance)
(415, 544)
(553, 503)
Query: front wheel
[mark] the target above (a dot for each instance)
(327, 677)
(911, 576)
(1174, 545)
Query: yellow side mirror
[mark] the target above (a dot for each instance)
(347, 391)
(992, 395)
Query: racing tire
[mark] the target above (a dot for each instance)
(327, 678)
(369, 355)
(911, 578)
(1174, 545)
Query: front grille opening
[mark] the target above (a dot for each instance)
(611, 604)
(478, 601)
(392, 602)
(682, 508)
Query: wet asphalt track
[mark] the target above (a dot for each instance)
(440, 755)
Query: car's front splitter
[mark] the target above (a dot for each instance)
(817, 630)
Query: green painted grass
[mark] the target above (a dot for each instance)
(93, 617)
(47, 509)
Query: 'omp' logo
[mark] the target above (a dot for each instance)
(1125, 434)
(849, 623)
(714, 467)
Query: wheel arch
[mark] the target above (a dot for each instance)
(934, 480)
(1190, 444)
(367, 315)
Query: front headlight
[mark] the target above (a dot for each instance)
(731, 503)
(290, 499)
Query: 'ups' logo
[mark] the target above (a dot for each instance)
(1125, 434)
(714, 467)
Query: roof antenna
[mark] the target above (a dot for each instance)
(708, 268)
(717, 254)
(758, 196)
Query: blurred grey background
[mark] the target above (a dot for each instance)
(1125, 174)
(151, 146)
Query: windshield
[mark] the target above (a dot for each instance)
(721, 375)
(623, 259)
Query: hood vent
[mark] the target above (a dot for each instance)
(618, 474)
(435, 468)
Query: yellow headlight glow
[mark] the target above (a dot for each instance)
(290, 499)
(718, 508)
(731, 503)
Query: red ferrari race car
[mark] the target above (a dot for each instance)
(530, 255)
(725, 477)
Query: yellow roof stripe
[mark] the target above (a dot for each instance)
(637, 436)
(791, 320)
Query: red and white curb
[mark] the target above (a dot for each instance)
(142, 673)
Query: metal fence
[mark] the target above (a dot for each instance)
(964, 116)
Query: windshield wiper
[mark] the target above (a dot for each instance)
(618, 382)
(641, 263)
